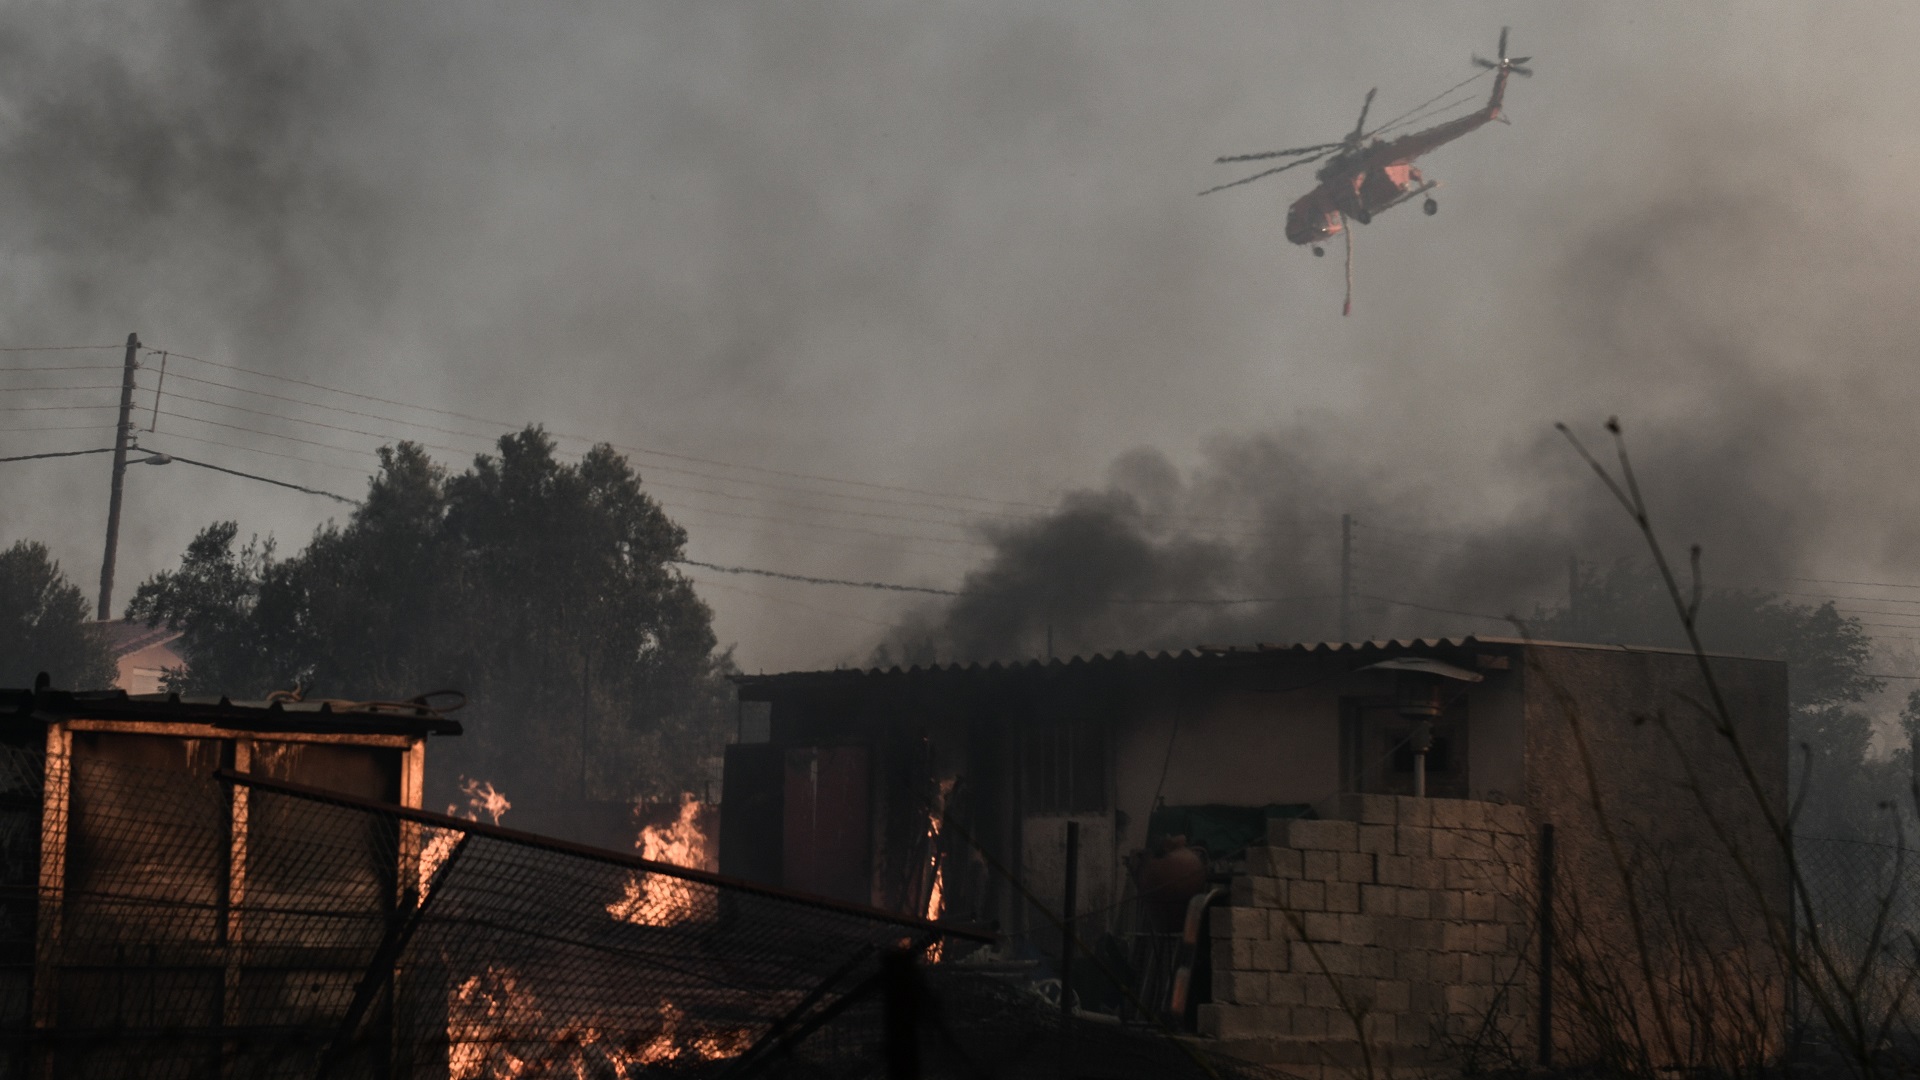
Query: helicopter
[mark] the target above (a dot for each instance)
(1363, 176)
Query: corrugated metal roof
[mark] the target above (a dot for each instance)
(125, 636)
(328, 716)
(1205, 654)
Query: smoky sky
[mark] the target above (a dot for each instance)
(954, 249)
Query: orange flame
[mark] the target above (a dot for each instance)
(482, 798)
(655, 899)
(488, 1011)
(937, 874)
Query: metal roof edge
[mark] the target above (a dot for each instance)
(1215, 654)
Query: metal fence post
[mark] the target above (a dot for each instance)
(1545, 1000)
(1067, 906)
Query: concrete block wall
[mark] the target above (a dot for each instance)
(1415, 914)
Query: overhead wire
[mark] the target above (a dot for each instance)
(57, 453)
(254, 476)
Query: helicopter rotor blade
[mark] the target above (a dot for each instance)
(1263, 175)
(1503, 44)
(1276, 153)
(1518, 70)
(1364, 107)
(1486, 63)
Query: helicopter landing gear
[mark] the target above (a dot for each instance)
(1318, 251)
(1430, 207)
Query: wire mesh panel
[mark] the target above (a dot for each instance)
(173, 920)
(1861, 939)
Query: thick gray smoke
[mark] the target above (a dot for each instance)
(1743, 332)
(956, 249)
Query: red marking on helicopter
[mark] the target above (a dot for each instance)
(1362, 178)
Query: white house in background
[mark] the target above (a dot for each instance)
(143, 654)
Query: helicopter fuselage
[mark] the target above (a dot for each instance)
(1363, 181)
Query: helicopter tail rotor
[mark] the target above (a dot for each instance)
(1505, 63)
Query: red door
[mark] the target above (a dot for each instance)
(827, 828)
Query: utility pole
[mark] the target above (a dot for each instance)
(121, 437)
(1346, 577)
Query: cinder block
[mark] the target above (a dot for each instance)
(1476, 970)
(1320, 865)
(1377, 963)
(1449, 813)
(1449, 904)
(1356, 866)
(1427, 873)
(1462, 844)
(1283, 863)
(1392, 995)
(1321, 926)
(1207, 1018)
(1379, 1028)
(1235, 954)
(1414, 903)
(1220, 1021)
(1240, 890)
(1240, 987)
(1395, 933)
(1393, 870)
(1356, 930)
(1445, 968)
(1513, 850)
(1307, 895)
(1378, 839)
(1468, 1000)
(1308, 835)
(1412, 840)
(1411, 965)
(1461, 937)
(1319, 990)
(1289, 987)
(1478, 906)
(1237, 922)
(1268, 892)
(1281, 924)
(1309, 1022)
(1379, 900)
(1467, 874)
(1343, 896)
(1270, 955)
(1490, 938)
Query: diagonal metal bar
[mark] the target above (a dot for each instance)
(602, 855)
(744, 1064)
(380, 969)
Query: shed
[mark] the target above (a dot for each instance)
(138, 896)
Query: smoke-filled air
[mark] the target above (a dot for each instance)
(924, 297)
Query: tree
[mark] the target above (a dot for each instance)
(542, 589)
(44, 626)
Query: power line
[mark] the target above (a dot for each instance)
(1870, 584)
(1429, 607)
(60, 367)
(255, 476)
(59, 453)
(59, 348)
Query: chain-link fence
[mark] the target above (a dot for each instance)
(161, 923)
(1858, 930)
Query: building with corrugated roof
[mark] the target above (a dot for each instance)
(1184, 776)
